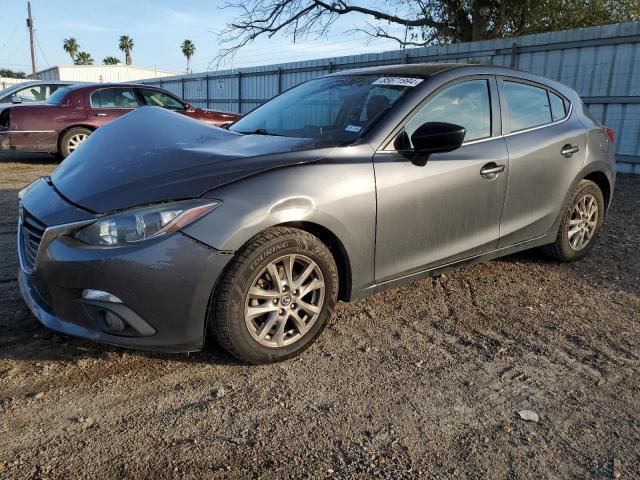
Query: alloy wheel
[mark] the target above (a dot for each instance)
(75, 141)
(284, 300)
(583, 222)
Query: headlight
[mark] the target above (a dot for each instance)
(139, 224)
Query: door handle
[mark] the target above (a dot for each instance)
(101, 114)
(568, 150)
(491, 169)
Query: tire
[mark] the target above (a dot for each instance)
(566, 249)
(294, 313)
(72, 139)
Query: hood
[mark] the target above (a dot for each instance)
(153, 155)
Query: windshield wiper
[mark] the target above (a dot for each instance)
(262, 131)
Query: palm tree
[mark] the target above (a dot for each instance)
(111, 60)
(188, 49)
(126, 45)
(71, 46)
(84, 58)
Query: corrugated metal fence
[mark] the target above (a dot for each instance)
(601, 63)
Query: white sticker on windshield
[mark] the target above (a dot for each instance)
(398, 81)
(353, 128)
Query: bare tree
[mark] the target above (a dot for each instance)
(421, 22)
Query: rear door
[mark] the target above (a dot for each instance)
(110, 103)
(539, 126)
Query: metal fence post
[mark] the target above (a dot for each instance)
(279, 80)
(239, 91)
(206, 83)
(182, 87)
(514, 55)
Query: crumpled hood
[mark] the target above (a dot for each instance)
(153, 155)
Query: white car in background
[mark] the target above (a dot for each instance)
(32, 91)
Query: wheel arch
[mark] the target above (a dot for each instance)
(337, 249)
(602, 181)
(93, 128)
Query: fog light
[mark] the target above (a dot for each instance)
(114, 323)
(100, 295)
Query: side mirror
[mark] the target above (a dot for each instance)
(436, 137)
(16, 99)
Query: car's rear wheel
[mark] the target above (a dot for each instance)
(72, 139)
(276, 297)
(580, 224)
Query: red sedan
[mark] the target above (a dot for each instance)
(72, 113)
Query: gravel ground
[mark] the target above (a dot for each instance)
(423, 381)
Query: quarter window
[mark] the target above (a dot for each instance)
(466, 104)
(114, 98)
(528, 106)
(558, 111)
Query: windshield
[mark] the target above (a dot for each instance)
(58, 96)
(336, 109)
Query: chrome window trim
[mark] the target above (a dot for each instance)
(486, 139)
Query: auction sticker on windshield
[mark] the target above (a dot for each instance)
(399, 81)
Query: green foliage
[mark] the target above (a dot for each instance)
(7, 73)
(125, 43)
(111, 60)
(71, 46)
(84, 58)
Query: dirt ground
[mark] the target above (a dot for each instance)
(424, 381)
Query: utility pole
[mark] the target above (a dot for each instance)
(33, 49)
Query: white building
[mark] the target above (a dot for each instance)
(6, 82)
(100, 73)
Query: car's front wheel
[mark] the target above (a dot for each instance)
(72, 139)
(580, 223)
(276, 297)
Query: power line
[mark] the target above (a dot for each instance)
(41, 50)
(15, 27)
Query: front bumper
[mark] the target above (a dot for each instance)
(164, 284)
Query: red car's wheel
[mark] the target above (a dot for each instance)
(72, 139)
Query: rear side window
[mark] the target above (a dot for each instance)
(528, 106)
(114, 98)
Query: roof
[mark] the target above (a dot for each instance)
(79, 85)
(412, 69)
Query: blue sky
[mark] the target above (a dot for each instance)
(158, 27)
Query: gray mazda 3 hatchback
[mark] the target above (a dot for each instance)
(161, 230)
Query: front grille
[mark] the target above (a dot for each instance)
(32, 232)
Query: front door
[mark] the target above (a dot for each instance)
(450, 208)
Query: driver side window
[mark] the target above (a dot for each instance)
(466, 104)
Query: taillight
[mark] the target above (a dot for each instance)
(610, 134)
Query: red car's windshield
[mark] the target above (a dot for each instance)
(58, 96)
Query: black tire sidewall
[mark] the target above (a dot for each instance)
(584, 187)
(231, 312)
(63, 149)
